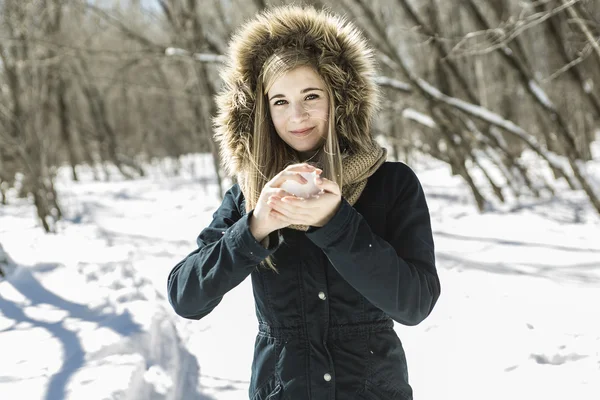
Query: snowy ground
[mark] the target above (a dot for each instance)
(85, 316)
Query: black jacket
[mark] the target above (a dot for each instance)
(325, 321)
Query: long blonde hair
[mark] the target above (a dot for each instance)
(269, 154)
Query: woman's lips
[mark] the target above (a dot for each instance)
(302, 132)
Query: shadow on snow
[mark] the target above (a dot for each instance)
(74, 356)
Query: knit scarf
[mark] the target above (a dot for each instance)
(357, 168)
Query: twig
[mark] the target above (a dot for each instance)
(586, 31)
(393, 83)
(502, 36)
(585, 53)
(208, 58)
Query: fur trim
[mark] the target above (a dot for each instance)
(344, 59)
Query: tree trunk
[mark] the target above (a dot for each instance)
(572, 153)
(65, 126)
(107, 136)
(207, 93)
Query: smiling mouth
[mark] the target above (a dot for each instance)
(301, 132)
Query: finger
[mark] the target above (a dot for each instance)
(288, 209)
(302, 167)
(300, 202)
(288, 175)
(284, 218)
(278, 192)
(327, 185)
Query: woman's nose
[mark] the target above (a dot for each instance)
(299, 112)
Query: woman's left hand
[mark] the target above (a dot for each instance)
(314, 211)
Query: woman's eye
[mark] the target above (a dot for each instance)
(312, 97)
(279, 102)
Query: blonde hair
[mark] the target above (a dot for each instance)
(269, 154)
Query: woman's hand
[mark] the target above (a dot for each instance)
(265, 218)
(314, 211)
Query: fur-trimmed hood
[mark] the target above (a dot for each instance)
(344, 59)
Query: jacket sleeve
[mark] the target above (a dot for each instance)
(227, 253)
(398, 275)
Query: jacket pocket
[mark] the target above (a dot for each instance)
(275, 394)
(387, 376)
(383, 392)
(264, 377)
(271, 390)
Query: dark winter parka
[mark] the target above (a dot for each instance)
(325, 320)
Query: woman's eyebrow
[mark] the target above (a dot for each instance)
(302, 91)
(309, 89)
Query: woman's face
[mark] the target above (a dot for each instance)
(299, 108)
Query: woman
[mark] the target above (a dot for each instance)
(332, 271)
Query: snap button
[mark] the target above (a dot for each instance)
(322, 296)
(327, 377)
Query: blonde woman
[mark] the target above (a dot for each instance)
(337, 240)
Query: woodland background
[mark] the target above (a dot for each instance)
(107, 175)
(472, 83)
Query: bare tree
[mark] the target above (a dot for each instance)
(28, 112)
(474, 84)
(437, 99)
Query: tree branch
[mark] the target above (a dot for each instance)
(393, 83)
(590, 38)
(503, 35)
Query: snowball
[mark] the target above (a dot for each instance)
(302, 190)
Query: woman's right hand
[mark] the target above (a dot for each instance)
(263, 220)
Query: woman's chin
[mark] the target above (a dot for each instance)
(306, 153)
(306, 150)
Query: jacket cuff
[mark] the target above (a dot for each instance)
(327, 234)
(246, 242)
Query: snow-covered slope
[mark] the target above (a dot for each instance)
(84, 316)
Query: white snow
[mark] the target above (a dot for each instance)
(204, 57)
(509, 126)
(423, 119)
(84, 315)
(541, 95)
(588, 85)
(477, 111)
(304, 190)
(394, 83)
